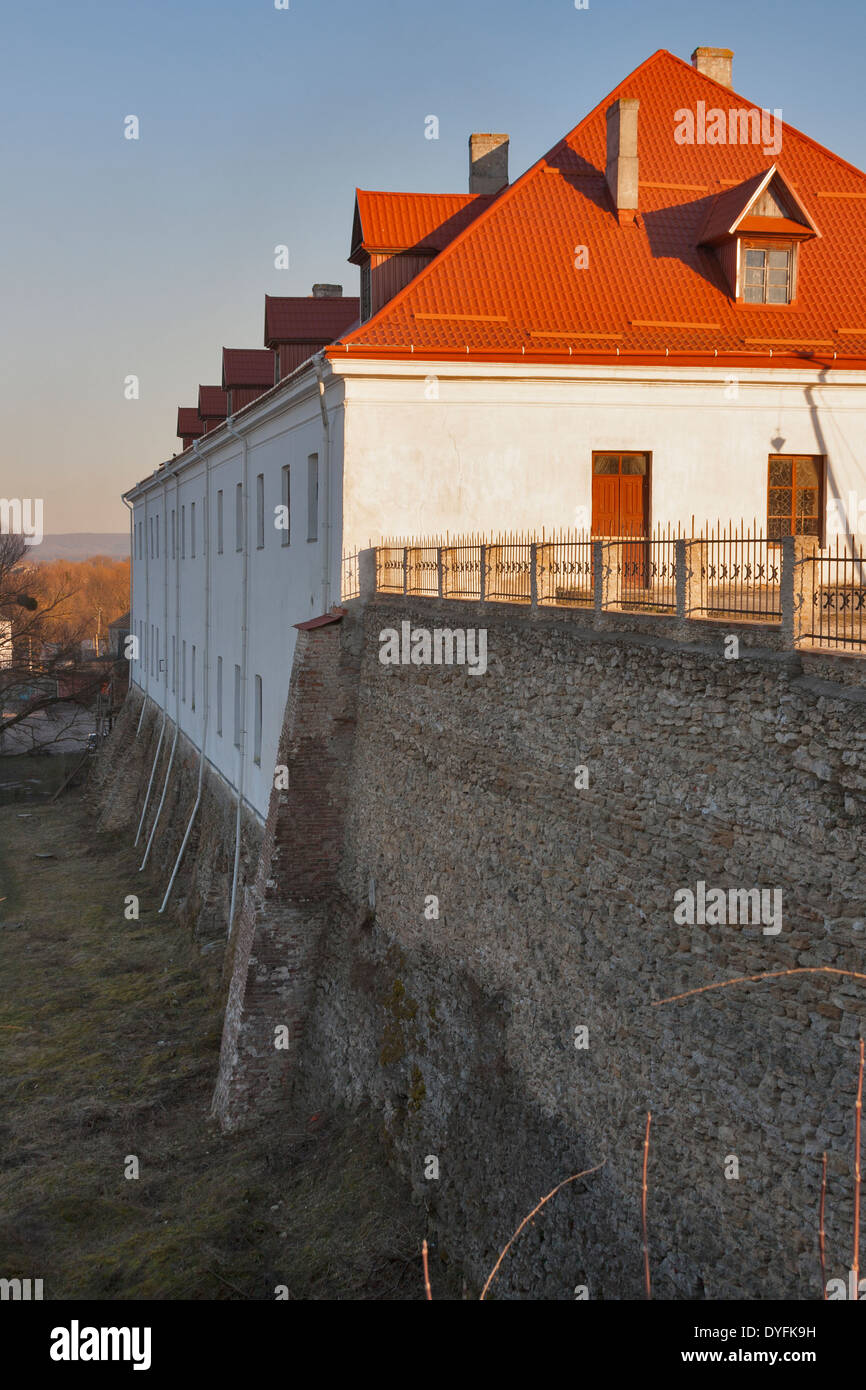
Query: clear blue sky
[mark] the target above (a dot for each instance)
(146, 256)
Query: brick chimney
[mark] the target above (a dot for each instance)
(488, 163)
(621, 167)
(716, 63)
(327, 291)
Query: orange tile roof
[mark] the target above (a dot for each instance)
(412, 221)
(507, 284)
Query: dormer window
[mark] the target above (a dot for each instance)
(768, 274)
(755, 230)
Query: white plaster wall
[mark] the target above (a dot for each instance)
(431, 450)
(285, 583)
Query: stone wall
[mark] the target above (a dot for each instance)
(556, 912)
(296, 889)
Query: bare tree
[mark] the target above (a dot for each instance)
(36, 672)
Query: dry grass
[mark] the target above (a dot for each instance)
(109, 1035)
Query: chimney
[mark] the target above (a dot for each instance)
(621, 167)
(716, 63)
(327, 291)
(488, 163)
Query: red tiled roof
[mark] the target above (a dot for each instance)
(728, 211)
(412, 221)
(308, 320)
(247, 367)
(212, 403)
(507, 285)
(189, 423)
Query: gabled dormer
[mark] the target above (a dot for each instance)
(755, 230)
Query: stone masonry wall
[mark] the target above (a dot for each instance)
(295, 892)
(556, 911)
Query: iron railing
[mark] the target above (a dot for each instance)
(716, 572)
(834, 593)
(740, 573)
(350, 585)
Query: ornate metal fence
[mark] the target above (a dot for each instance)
(719, 572)
(740, 573)
(835, 597)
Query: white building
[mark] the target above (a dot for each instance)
(658, 321)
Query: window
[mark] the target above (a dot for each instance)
(237, 706)
(220, 522)
(151, 538)
(173, 664)
(257, 726)
(287, 505)
(795, 485)
(183, 671)
(192, 677)
(767, 275)
(260, 511)
(239, 517)
(151, 635)
(173, 534)
(220, 696)
(157, 535)
(366, 294)
(192, 530)
(183, 533)
(313, 497)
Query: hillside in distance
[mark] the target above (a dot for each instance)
(82, 545)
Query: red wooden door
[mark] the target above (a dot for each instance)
(620, 499)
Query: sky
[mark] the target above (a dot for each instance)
(145, 257)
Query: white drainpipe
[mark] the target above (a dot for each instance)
(244, 649)
(326, 491)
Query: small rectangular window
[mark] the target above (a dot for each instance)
(795, 485)
(257, 726)
(220, 522)
(151, 649)
(237, 706)
(286, 517)
(220, 696)
(260, 512)
(239, 517)
(192, 677)
(183, 671)
(767, 275)
(157, 535)
(183, 532)
(173, 664)
(151, 538)
(313, 497)
(192, 530)
(173, 534)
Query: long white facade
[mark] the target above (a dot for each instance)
(219, 582)
(420, 449)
